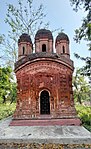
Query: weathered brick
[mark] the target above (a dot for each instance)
(45, 73)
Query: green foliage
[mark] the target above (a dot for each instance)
(1, 38)
(13, 93)
(84, 32)
(85, 70)
(81, 87)
(7, 85)
(81, 4)
(6, 109)
(84, 113)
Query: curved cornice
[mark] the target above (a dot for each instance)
(43, 57)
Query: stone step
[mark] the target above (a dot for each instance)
(43, 137)
(46, 122)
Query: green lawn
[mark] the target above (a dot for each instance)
(6, 110)
(83, 112)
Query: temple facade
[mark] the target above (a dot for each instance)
(44, 81)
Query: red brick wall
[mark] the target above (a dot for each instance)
(49, 75)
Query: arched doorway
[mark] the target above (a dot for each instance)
(44, 102)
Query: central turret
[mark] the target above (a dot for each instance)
(44, 41)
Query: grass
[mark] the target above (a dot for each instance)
(6, 109)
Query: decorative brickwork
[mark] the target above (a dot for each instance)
(44, 82)
(41, 75)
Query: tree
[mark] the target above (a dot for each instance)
(81, 87)
(1, 41)
(84, 32)
(13, 93)
(7, 85)
(23, 18)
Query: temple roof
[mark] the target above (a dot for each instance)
(24, 38)
(43, 33)
(62, 36)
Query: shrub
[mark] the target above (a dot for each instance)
(6, 110)
(85, 115)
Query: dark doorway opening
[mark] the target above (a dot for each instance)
(44, 103)
(43, 48)
(23, 50)
(63, 49)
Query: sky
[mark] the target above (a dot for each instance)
(60, 14)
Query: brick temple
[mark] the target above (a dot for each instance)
(44, 81)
